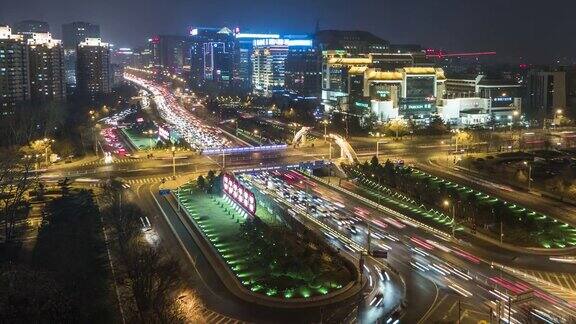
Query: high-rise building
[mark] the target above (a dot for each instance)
(245, 48)
(545, 94)
(268, 65)
(46, 64)
(73, 34)
(170, 52)
(303, 74)
(29, 27)
(351, 41)
(93, 68)
(214, 57)
(14, 82)
(76, 32)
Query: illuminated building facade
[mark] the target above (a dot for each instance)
(503, 97)
(214, 58)
(93, 68)
(46, 66)
(14, 82)
(268, 61)
(245, 48)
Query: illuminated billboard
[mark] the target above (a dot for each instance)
(240, 194)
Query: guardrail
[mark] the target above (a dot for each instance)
(381, 207)
(233, 150)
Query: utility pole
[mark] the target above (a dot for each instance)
(223, 159)
(458, 319)
(173, 162)
(453, 220)
(501, 232)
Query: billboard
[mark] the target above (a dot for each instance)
(240, 194)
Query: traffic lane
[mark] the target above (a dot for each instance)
(370, 307)
(466, 241)
(370, 269)
(463, 260)
(214, 293)
(526, 199)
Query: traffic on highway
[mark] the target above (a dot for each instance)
(194, 131)
(488, 291)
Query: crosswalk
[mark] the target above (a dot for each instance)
(131, 182)
(562, 285)
(115, 161)
(211, 317)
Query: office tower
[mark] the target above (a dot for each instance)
(214, 58)
(245, 48)
(73, 34)
(46, 64)
(93, 68)
(545, 94)
(303, 74)
(29, 27)
(14, 82)
(268, 65)
(170, 52)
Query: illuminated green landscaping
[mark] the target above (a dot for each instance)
(429, 199)
(265, 256)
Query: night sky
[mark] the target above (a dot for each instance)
(528, 31)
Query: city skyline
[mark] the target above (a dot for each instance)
(506, 28)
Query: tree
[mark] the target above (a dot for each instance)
(201, 182)
(398, 127)
(437, 126)
(16, 178)
(462, 138)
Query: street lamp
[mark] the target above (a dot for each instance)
(325, 122)
(377, 147)
(374, 176)
(47, 143)
(529, 165)
(447, 205)
(173, 162)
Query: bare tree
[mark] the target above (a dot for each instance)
(16, 178)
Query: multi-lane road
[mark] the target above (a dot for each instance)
(446, 279)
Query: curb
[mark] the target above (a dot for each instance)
(232, 283)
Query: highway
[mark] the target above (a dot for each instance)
(446, 279)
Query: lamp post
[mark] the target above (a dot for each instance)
(377, 147)
(325, 122)
(374, 176)
(173, 162)
(447, 205)
(557, 116)
(529, 165)
(47, 143)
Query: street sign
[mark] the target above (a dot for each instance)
(164, 192)
(383, 254)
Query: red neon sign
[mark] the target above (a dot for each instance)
(240, 194)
